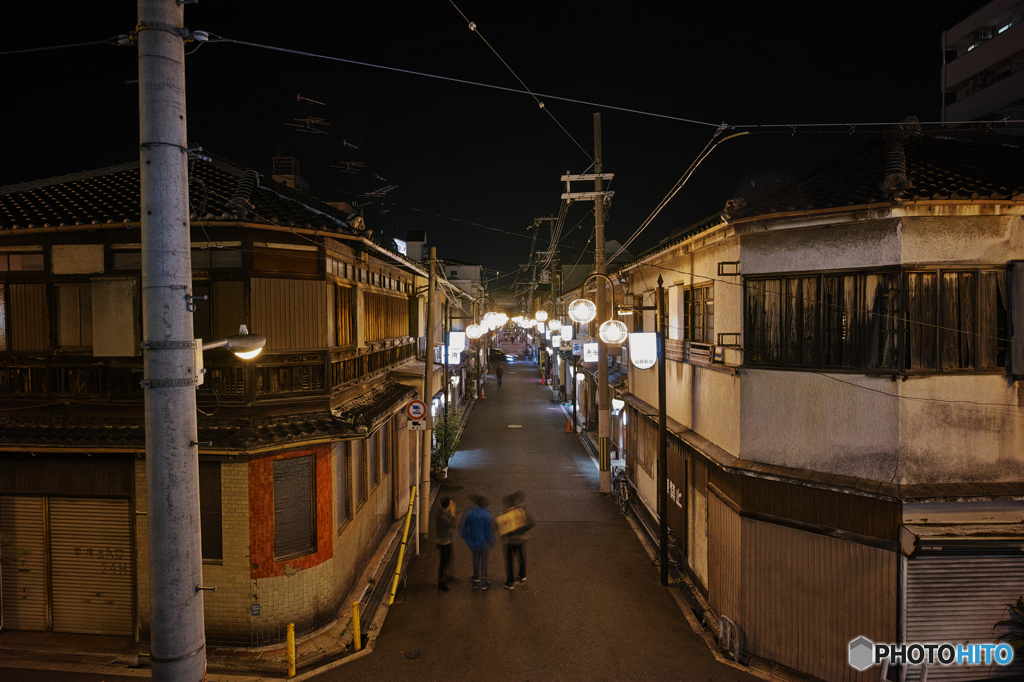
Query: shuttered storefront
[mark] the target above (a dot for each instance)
(91, 566)
(724, 579)
(83, 548)
(294, 500)
(958, 598)
(23, 524)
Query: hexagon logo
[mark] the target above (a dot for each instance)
(861, 653)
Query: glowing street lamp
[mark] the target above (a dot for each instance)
(244, 344)
(582, 310)
(474, 331)
(541, 316)
(554, 326)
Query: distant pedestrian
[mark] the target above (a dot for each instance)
(514, 524)
(444, 524)
(499, 372)
(478, 532)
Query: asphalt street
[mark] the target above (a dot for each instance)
(592, 607)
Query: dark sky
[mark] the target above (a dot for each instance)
(472, 164)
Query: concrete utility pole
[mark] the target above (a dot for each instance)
(604, 431)
(428, 394)
(178, 638)
(662, 437)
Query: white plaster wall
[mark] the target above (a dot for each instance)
(962, 239)
(959, 440)
(847, 424)
(702, 399)
(856, 245)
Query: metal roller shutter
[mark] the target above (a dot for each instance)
(23, 520)
(957, 599)
(91, 566)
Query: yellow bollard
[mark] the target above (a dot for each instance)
(291, 650)
(357, 639)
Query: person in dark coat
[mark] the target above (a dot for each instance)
(477, 530)
(445, 522)
(500, 372)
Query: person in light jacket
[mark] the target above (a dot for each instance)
(519, 522)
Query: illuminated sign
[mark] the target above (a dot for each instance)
(590, 352)
(457, 341)
(643, 349)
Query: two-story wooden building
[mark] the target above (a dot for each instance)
(846, 447)
(304, 458)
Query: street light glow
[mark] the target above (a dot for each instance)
(582, 310)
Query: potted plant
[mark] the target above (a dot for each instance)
(447, 429)
(1014, 626)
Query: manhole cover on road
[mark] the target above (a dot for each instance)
(415, 653)
(515, 426)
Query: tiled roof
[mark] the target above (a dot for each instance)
(358, 417)
(939, 166)
(111, 195)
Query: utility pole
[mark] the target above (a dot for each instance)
(178, 637)
(599, 195)
(662, 437)
(428, 394)
(604, 431)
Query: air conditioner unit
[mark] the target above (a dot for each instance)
(984, 34)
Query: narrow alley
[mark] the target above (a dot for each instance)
(592, 607)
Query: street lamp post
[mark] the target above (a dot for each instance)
(611, 332)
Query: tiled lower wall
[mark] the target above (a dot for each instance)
(308, 592)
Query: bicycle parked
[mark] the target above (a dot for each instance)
(620, 488)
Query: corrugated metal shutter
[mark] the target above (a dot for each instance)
(957, 599)
(291, 313)
(30, 317)
(723, 558)
(92, 571)
(22, 519)
(806, 596)
(293, 506)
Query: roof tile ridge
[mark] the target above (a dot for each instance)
(71, 177)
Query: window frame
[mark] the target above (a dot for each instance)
(314, 539)
(210, 509)
(903, 313)
(689, 302)
(342, 477)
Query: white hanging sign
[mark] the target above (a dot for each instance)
(567, 344)
(590, 352)
(643, 349)
(556, 341)
(457, 341)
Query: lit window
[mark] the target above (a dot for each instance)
(1003, 29)
(970, 47)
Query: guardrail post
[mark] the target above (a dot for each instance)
(291, 650)
(357, 639)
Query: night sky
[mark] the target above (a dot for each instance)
(472, 164)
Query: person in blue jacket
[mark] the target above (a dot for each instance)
(477, 529)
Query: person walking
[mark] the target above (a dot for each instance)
(445, 522)
(499, 372)
(513, 524)
(478, 531)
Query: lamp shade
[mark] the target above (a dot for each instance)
(554, 326)
(474, 331)
(582, 310)
(541, 316)
(613, 332)
(618, 404)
